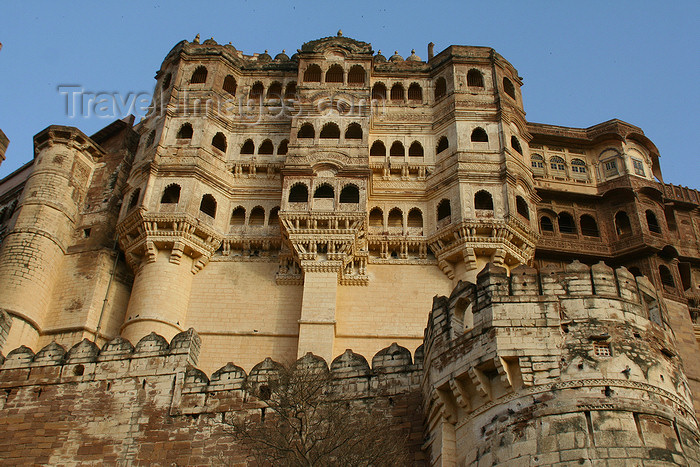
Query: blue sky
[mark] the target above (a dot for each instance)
(582, 62)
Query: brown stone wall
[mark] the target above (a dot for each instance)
(149, 405)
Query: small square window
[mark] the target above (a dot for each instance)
(611, 168)
(602, 349)
(638, 167)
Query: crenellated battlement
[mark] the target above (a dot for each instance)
(392, 370)
(584, 339)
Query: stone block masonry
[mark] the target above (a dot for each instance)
(148, 404)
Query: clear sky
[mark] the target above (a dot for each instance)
(582, 62)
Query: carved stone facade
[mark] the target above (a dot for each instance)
(318, 202)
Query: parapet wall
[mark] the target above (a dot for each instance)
(150, 404)
(555, 366)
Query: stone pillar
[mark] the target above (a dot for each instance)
(317, 323)
(159, 298)
(32, 252)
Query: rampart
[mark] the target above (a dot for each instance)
(554, 367)
(572, 367)
(149, 404)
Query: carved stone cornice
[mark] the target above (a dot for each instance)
(507, 240)
(142, 234)
(328, 242)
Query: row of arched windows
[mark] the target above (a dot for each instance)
(248, 147)
(557, 166)
(567, 224)
(398, 93)
(266, 148)
(335, 74)
(255, 218)
(275, 91)
(589, 226)
(330, 131)
(299, 193)
(395, 219)
(356, 75)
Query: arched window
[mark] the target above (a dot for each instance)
(521, 207)
(557, 166)
(312, 74)
(334, 74)
(397, 149)
(151, 138)
(230, 85)
(290, 92)
(275, 90)
(379, 91)
(443, 143)
(199, 75)
(475, 79)
(515, 144)
(508, 87)
(219, 141)
(589, 227)
(546, 224)
(299, 193)
(578, 168)
(397, 93)
(395, 218)
(353, 131)
(330, 131)
(257, 216)
(444, 210)
(666, 276)
(350, 194)
(283, 147)
(415, 219)
(483, 200)
(306, 131)
(652, 223)
(324, 191)
(479, 135)
(133, 201)
(537, 162)
(440, 88)
(248, 147)
(377, 149)
(185, 131)
(171, 194)
(208, 205)
(415, 93)
(238, 216)
(266, 148)
(257, 91)
(622, 224)
(566, 223)
(356, 75)
(166, 81)
(376, 218)
(415, 150)
(274, 216)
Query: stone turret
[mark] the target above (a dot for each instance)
(32, 252)
(553, 366)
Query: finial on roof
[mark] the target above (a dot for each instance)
(340, 33)
(196, 39)
(284, 51)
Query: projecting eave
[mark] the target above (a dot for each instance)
(615, 129)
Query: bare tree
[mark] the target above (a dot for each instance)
(306, 422)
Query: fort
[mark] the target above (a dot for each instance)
(506, 292)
